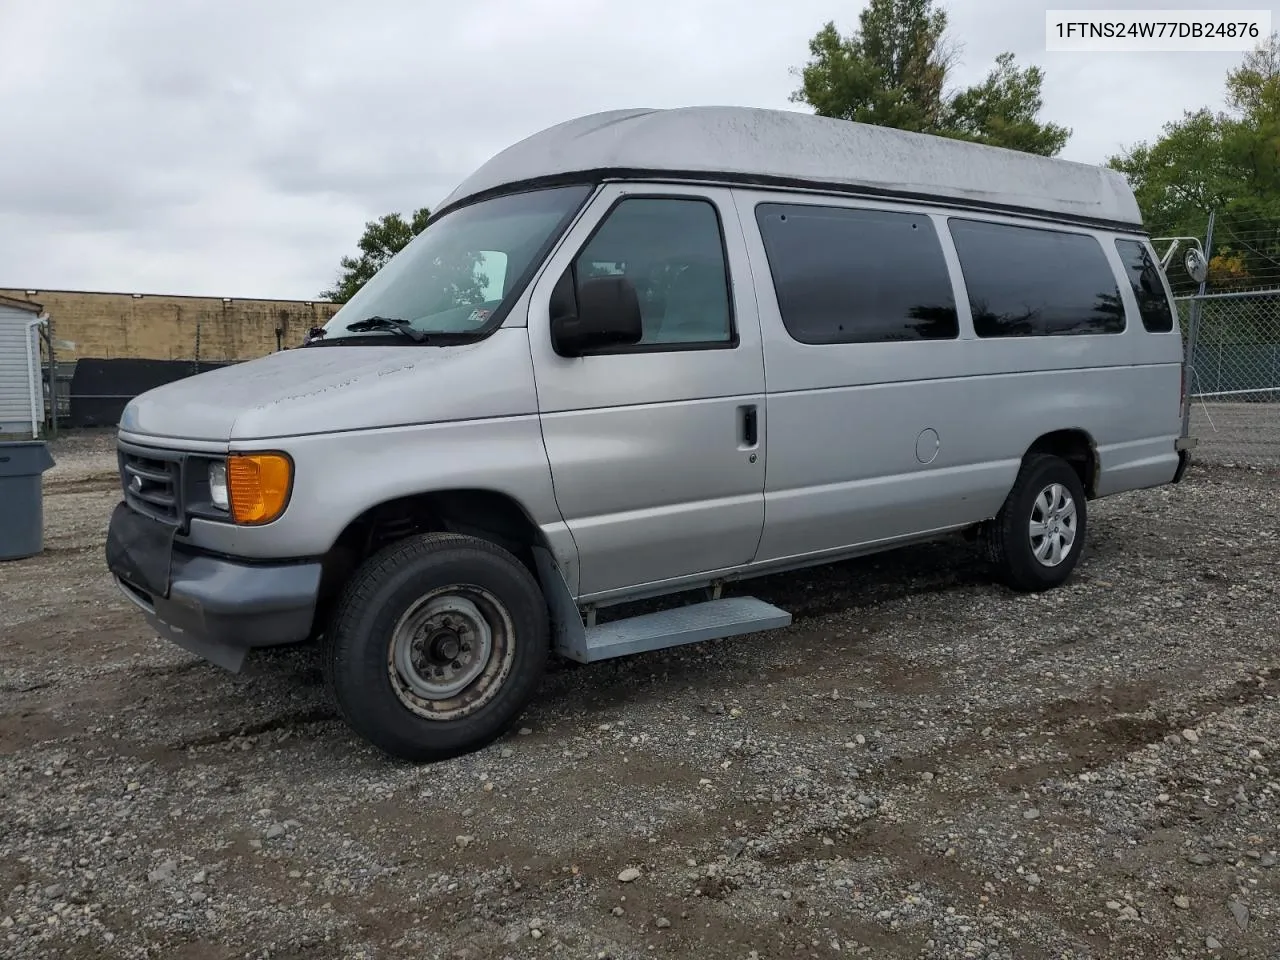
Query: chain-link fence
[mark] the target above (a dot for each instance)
(1233, 346)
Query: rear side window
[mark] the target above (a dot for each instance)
(1148, 286)
(857, 276)
(1033, 282)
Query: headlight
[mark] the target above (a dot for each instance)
(218, 485)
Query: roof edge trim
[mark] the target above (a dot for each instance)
(772, 182)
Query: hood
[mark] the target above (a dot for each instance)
(331, 389)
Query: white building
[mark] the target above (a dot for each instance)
(21, 389)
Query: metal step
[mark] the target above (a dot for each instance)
(711, 620)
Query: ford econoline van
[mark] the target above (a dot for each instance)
(642, 353)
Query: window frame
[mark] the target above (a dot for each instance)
(1165, 290)
(938, 236)
(734, 339)
(1039, 228)
(521, 285)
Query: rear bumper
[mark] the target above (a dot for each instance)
(214, 607)
(1184, 446)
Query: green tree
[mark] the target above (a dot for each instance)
(1251, 135)
(1002, 111)
(382, 239)
(892, 71)
(1226, 161)
(890, 75)
(1178, 179)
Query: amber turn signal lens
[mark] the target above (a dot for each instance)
(258, 484)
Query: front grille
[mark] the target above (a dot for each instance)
(152, 483)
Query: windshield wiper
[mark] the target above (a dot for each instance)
(394, 324)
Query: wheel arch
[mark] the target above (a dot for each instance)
(475, 511)
(1078, 448)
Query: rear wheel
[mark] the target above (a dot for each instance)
(1037, 538)
(437, 645)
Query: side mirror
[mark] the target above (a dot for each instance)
(602, 312)
(1196, 265)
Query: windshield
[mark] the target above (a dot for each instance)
(462, 271)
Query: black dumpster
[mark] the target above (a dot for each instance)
(22, 466)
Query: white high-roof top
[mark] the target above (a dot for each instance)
(746, 144)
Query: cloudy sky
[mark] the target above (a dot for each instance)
(236, 148)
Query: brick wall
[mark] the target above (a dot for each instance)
(156, 327)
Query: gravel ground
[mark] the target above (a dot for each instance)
(1237, 434)
(924, 764)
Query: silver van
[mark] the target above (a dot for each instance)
(647, 352)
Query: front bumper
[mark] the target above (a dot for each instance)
(214, 607)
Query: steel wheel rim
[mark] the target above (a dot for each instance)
(450, 652)
(1054, 524)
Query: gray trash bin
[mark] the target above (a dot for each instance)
(22, 466)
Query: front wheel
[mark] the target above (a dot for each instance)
(1037, 538)
(437, 645)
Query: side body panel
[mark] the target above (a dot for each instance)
(851, 423)
(651, 469)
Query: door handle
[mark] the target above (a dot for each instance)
(748, 425)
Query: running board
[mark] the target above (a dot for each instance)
(712, 620)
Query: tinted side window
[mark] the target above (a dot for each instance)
(672, 251)
(857, 276)
(1148, 286)
(1033, 282)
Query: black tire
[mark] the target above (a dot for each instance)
(1007, 539)
(410, 579)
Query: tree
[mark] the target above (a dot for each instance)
(1228, 162)
(891, 75)
(1251, 135)
(382, 239)
(892, 72)
(1002, 111)
(1178, 179)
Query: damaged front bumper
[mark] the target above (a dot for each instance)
(216, 607)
